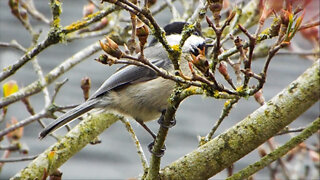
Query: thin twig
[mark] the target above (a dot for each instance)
(151, 22)
(309, 25)
(252, 45)
(263, 74)
(24, 122)
(225, 112)
(175, 14)
(287, 131)
(13, 44)
(18, 159)
(87, 35)
(300, 53)
(279, 160)
(217, 46)
(97, 5)
(30, 7)
(37, 86)
(53, 37)
(279, 152)
(57, 89)
(12, 147)
(38, 70)
(47, 112)
(161, 72)
(140, 152)
(160, 8)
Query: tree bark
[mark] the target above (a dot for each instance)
(212, 157)
(69, 145)
(247, 135)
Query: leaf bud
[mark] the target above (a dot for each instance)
(111, 48)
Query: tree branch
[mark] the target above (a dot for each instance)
(54, 36)
(265, 122)
(69, 145)
(38, 85)
(239, 140)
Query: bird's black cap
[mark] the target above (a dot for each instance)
(175, 28)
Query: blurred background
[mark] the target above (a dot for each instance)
(116, 157)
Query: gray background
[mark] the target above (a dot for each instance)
(115, 157)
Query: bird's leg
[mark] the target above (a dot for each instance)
(147, 129)
(150, 146)
(162, 150)
(173, 121)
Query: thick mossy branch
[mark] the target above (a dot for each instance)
(174, 102)
(247, 135)
(69, 145)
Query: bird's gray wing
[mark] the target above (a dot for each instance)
(133, 74)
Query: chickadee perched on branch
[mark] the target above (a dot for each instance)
(138, 91)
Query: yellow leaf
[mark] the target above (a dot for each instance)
(9, 88)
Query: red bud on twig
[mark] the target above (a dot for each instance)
(259, 97)
(85, 86)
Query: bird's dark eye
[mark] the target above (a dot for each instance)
(197, 32)
(201, 46)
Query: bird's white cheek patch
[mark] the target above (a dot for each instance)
(191, 42)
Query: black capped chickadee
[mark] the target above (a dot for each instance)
(137, 91)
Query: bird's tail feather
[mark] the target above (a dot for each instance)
(68, 116)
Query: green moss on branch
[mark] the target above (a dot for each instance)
(247, 135)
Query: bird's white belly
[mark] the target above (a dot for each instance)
(143, 101)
